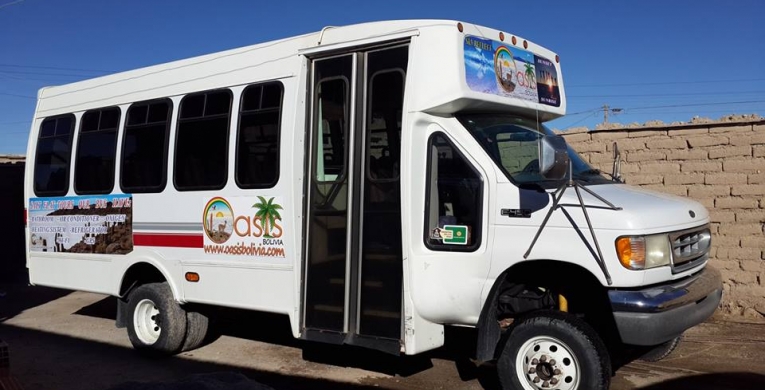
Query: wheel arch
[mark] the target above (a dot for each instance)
(141, 271)
(571, 280)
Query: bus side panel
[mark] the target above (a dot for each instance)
(247, 288)
(85, 273)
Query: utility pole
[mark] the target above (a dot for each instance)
(607, 109)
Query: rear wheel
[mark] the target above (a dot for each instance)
(553, 350)
(157, 323)
(197, 330)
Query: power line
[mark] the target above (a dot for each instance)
(14, 123)
(584, 112)
(666, 94)
(22, 72)
(11, 3)
(699, 113)
(696, 104)
(660, 83)
(581, 120)
(58, 68)
(18, 96)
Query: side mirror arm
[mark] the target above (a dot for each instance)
(616, 173)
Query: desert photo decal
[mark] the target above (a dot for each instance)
(81, 224)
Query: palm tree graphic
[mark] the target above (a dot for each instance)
(267, 210)
(530, 74)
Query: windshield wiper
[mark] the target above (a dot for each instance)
(595, 171)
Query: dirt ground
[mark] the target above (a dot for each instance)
(67, 340)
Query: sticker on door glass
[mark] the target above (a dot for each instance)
(455, 234)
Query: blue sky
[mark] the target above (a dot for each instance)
(696, 56)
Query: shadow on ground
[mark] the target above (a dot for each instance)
(275, 329)
(67, 363)
(716, 381)
(45, 360)
(16, 298)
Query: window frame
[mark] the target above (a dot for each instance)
(348, 107)
(367, 171)
(79, 141)
(241, 112)
(166, 152)
(72, 129)
(178, 123)
(479, 220)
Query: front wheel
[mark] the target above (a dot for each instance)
(554, 350)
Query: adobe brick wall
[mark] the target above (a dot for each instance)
(721, 165)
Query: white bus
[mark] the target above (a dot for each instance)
(375, 183)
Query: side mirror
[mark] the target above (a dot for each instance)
(553, 157)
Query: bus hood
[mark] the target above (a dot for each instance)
(641, 209)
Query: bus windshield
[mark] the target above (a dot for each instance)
(511, 142)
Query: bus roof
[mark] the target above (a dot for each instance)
(277, 59)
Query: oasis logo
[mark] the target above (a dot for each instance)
(221, 221)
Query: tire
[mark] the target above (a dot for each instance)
(660, 352)
(569, 355)
(156, 322)
(197, 328)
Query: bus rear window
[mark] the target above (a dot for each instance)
(54, 148)
(96, 149)
(144, 147)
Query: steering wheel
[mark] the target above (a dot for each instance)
(531, 167)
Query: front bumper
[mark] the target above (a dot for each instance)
(660, 313)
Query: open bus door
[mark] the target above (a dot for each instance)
(353, 259)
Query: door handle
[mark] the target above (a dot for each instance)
(516, 213)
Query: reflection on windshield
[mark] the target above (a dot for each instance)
(512, 143)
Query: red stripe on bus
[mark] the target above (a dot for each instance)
(168, 239)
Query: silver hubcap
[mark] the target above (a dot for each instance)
(545, 362)
(145, 322)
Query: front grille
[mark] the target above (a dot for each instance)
(690, 248)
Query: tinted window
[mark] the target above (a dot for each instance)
(386, 101)
(257, 147)
(54, 148)
(201, 144)
(333, 98)
(96, 147)
(454, 199)
(144, 147)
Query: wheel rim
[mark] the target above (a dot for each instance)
(547, 363)
(146, 322)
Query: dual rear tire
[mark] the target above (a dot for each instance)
(158, 325)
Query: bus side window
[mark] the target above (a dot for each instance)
(201, 143)
(257, 147)
(96, 149)
(54, 149)
(144, 147)
(454, 199)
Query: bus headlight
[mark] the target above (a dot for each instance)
(643, 252)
